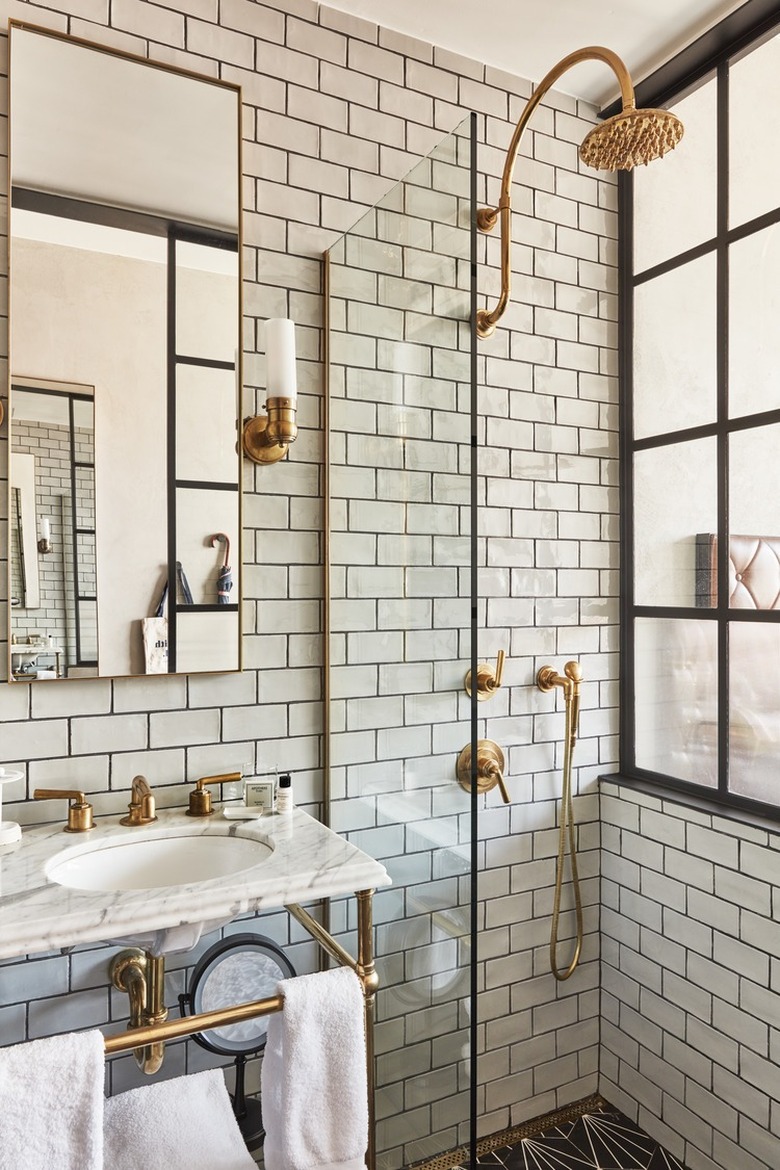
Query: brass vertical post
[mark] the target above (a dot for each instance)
(367, 971)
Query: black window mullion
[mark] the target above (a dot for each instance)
(722, 374)
(626, 293)
(173, 582)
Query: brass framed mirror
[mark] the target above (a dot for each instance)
(125, 367)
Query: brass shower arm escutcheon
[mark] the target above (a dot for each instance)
(488, 679)
(490, 768)
(489, 216)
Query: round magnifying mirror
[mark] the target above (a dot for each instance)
(237, 969)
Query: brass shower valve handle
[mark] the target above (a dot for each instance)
(488, 679)
(490, 768)
(80, 819)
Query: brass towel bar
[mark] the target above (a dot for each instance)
(188, 1025)
(363, 966)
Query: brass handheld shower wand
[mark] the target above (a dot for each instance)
(546, 680)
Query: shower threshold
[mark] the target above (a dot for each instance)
(581, 1136)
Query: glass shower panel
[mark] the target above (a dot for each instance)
(400, 409)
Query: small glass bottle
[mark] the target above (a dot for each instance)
(284, 794)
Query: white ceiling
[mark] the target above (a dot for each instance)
(527, 37)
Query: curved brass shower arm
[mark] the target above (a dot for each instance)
(488, 216)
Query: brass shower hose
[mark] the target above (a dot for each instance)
(546, 680)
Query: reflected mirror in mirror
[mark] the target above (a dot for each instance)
(125, 365)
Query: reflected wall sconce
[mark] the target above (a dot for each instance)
(618, 144)
(267, 439)
(44, 542)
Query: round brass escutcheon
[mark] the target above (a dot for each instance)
(490, 764)
(545, 678)
(255, 445)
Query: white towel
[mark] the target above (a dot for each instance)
(314, 1082)
(183, 1124)
(51, 1103)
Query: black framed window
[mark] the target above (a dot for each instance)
(700, 354)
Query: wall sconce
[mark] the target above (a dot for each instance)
(44, 543)
(266, 440)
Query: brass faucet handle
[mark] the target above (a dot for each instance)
(80, 815)
(489, 679)
(200, 797)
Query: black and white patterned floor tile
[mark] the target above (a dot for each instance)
(597, 1141)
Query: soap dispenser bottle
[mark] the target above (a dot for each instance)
(284, 794)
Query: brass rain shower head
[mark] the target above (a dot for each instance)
(622, 142)
(631, 138)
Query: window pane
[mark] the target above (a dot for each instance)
(754, 310)
(675, 198)
(754, 164)
(206, 302)
(675, 493)
(754, 719)
(676, 686)
(675, 350)
(754, 482)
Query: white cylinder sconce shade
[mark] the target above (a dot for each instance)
(281, 381)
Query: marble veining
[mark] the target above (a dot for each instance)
(308, 861)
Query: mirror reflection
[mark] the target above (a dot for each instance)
(124, 393)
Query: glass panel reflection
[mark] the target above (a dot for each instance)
(675, 500)
(676, 684)
(754, 719)
(675, 350)
(754, 310)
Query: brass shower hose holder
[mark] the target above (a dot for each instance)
(490, 768)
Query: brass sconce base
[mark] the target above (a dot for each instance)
(255, 443)
(266, 440)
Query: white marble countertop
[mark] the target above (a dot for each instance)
(308, 861)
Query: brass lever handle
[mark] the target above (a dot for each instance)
(200, 797)
(80, 818)
(488, 678)
(490, 768)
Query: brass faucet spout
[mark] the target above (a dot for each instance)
(142, 804)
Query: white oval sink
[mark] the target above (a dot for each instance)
(156, 861)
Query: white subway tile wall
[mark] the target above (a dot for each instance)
(335, 110)
(690, 1006)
